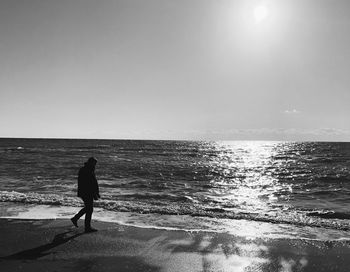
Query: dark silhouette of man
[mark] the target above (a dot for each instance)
(88, 191)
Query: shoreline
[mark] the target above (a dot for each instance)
(56, 245)
(237, 227)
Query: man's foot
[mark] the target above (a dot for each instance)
(87, 230)
(74, 221)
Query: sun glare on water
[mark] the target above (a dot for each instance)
(260, 13)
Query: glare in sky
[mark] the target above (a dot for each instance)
(260, 13)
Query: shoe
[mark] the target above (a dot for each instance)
(74, 221)
(90, 230)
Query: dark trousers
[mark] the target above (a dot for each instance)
(87, 210)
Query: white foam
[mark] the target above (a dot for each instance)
(241, 228)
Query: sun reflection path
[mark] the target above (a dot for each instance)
(245, 180)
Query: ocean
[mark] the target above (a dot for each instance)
(258, 188)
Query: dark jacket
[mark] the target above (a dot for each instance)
(87, 183)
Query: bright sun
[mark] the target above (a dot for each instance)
(260, 13)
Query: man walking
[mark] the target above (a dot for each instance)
(88, 191)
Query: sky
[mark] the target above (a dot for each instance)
(175, 69)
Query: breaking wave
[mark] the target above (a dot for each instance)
(300, 218)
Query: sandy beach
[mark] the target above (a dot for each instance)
(55, 245)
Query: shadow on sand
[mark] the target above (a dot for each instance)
(41, 251)
(94, 263)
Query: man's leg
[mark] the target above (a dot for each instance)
(75, 218)
(88, 202)
(80, 213)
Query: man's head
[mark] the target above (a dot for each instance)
(91, 162)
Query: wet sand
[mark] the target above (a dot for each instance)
(55, 245)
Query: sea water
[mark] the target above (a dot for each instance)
(298, 189)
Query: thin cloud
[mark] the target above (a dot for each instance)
(269, 134)
(293, 111)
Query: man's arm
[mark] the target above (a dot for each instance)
(96, 188)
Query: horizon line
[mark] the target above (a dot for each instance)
(172, 140)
